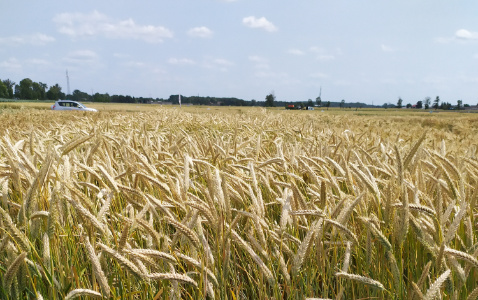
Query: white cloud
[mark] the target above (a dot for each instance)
(181, 61)
(220, 64)
(135, 64)
(98, 24)
(321, 53)
(319, 75)
(201, 32)
(296, 52)
(260, 62)
(261, 23)
(464, 34)
(81, 57)
(12, 64)
(33, 39)
(36, 61)
(386, 48)
(325, 57)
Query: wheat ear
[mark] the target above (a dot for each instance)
(122, 260)
(362, 279)
(172, 276)
(82, 292)
(98, 271)
(13, 269)
(435, 287)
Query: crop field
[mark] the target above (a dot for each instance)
(237, 203)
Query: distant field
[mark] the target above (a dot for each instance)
(157, 202)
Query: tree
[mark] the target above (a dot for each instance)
(101, 97)
(24, 90)
(79, 96)
(310, 103)
(39, 90)
(427, 102)
(10, 85)
(327, 105)
(436, 103)
(3, 90)
(409, 105)
(399, 102)
(54, 93)
(270, 100)
(342, 103)
(459, 104)
(318, 100)
(419, 104)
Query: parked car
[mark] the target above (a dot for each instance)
(70, 105)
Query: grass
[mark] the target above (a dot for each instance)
(237, 203)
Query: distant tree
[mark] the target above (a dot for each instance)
(79, 95)
(327, 105)
(24, 90)
(459, 104)
(253, 102)
(101, 97)
(3, 90)
(270, 99)
(342, 103)
(318, 100)
(10, 85)
(409, 105)
(436, 103)
(54, 93)
(399, 102)
(419, 104)
(427, 102)
(310, 103)
(445, 106)
(39, 90)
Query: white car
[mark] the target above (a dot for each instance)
(70, 105)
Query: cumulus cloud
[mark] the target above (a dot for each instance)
(37, 61)
(181, 61)
(319, 75)
(259, 62)
(261, 23)
(98, 24)
(201, 32)
(81, 57)
(321, 53)
(386, 48)
(12, 64)
(33, 39)
(215, 63)
(464, 34)
(296, 52)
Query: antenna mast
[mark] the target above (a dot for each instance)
(67, 82)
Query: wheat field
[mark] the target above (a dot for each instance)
(237, 204)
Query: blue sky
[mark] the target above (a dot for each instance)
(369, 51)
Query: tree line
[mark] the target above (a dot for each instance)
(28, 89)
(427, 103)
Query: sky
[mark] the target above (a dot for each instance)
(370, 51)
